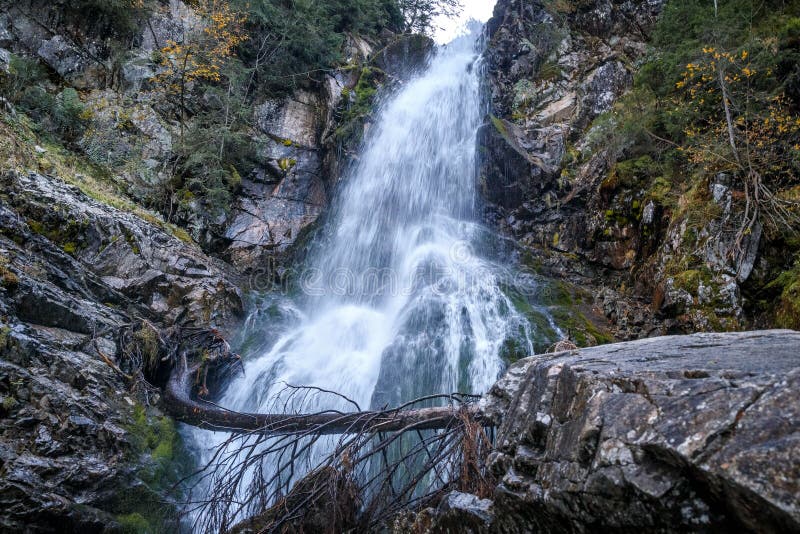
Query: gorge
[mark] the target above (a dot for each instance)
(398, 221)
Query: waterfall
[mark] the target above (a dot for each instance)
(398, 300)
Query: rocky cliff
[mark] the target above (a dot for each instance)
(110, 262)
(626, 215)
(89, 294)
(111, 250)
(294, 141)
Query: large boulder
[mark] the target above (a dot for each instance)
(675, 434)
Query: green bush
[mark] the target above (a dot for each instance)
(69, 114)
(23, 74)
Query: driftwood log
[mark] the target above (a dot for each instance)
(185, 407)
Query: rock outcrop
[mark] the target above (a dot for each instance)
(75, 274)
(305, 143)
(302, 141)
(555, 72)
(692, 433)
(552, 70)
(674, 434)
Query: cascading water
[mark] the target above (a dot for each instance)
(397, 300)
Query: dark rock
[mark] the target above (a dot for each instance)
(463, 512)
(667, 434)
(404, 55)
(552, 69)
(86, 271)
(600, 90)
(509, 174)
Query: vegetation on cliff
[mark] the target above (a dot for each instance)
(211, 63)
(716, 101)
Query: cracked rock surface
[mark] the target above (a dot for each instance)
(693, 433)
(74, 274)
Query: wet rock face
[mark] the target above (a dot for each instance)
(550, 76)
(74, 273)
(301, 159)
(121, 255)
(288, 193)
(404, 55)
(695, 433)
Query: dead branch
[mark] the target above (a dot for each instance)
(329, 471)
(303, 481)
(182, 405)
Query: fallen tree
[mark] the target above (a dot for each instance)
(183, 405)
(328, 471)
(305, 480)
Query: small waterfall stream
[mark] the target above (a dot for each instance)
(398, 299)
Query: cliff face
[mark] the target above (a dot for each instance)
(551, 73)
(656, 249)
(296, 143)
(90, 295)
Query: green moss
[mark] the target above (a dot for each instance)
(512, 350)
(181, 234)
(9, 403)
(556, 294)
(5, 330)
(543, 334)
(287, 164)
(131, 240)
(8, 279)
(36, 227)
(581, 330)
(360, 101)
(499, 125)
(690, 280)
(134, 523)
(157, 447)
(787, 311)
(69, 236)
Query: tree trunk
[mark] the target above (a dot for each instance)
(180, 403)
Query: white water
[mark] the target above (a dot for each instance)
(398, 302)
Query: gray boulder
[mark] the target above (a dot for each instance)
(675, 434)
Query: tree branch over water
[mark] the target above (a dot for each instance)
(329, 471)
(185, 407)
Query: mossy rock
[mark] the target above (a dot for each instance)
(558, 303)
(787, 311)
(157, 447)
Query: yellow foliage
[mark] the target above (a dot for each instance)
(202, 56)
(737, 129)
